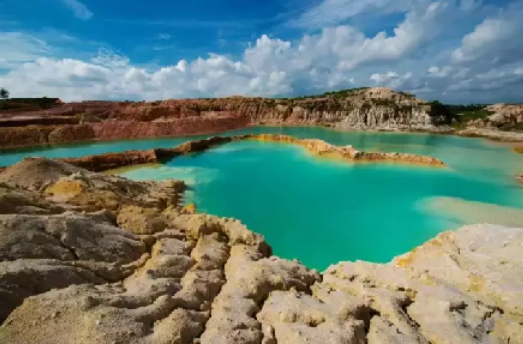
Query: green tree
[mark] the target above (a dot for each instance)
(4, 94)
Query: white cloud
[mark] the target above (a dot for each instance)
(79, 9)
(496, 40)
(335, 58)
(271, 67)
(17, 47)
(333, 12)
(164, 36)
(440, 72)
(391, 79)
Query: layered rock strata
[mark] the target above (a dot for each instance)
(371, 108)
(88, 258)
(359, 109)
(11, 137)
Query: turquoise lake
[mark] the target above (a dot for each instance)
(323, 211)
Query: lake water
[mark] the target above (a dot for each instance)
(322, 211)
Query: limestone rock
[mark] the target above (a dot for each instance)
(36, 173)
(145, 271)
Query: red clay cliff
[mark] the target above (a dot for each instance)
(375, 108)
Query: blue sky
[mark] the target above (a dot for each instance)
(454, 50)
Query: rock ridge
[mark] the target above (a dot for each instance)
(349, 153)
(370, 108)
(90, 258)
(109, 161)
(27, 136)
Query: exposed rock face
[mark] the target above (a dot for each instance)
(492, 134)
(372, 108)
(109, 161)
(75, 268)
(193, 126)
(114, 130)
(349, 153)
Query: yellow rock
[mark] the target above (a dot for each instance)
(190, 209)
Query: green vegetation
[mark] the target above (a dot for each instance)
(29, 104)
(335, 94)
(383, 101)
(343, 93)
(438, 109)
(459, 115)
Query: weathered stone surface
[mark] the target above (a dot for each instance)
(349, 153)
(503, 116)
(372, 108)
(93, 259)
(112, 161)
(36, 173)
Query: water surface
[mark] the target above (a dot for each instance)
(321, 211)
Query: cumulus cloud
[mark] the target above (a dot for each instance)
(391, 79)
(334, 58)
(438, 72)
(79, 9)
(271, 67)
(497, 39)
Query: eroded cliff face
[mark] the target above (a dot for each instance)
(116, 130)
(372, 108)
(88, 258)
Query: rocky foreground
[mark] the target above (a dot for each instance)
(90, 258)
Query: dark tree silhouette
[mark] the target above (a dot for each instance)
(4, 94)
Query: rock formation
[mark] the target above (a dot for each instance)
(503, 116)
(369, 108)
(89, 258)
(358, 109)
(114, 130)
(109, 161)
(349, 153)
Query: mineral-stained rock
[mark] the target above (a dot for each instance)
(111, 161)
(115, 130)
(91, 191)
(146, 271)
(371, 108)
(18, 201)
(141, 220)
(72, 133)
(36, 173)
(348, 153)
